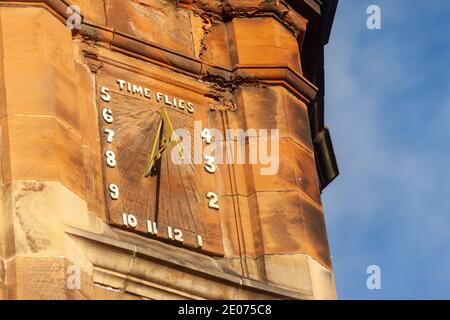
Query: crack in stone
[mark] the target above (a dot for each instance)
(207, 28)
(130, 268)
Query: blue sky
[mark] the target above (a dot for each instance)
(388, 109)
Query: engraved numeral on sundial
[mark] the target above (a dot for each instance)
(111, 159)
(200, 241)
(210, 166)
(129, 220)
(152, 228)
(114, 191)
(175, 234)
(105, 94)
(107, 115)
(213, 200)
(207, 136)
(109, 135)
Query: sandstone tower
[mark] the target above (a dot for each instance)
(83, 108)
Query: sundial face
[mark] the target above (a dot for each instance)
(146, 191)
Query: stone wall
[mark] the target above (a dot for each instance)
(244, 57)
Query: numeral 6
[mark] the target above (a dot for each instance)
(107, 115)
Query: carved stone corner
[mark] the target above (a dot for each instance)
(91, 59)
(227, 10)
